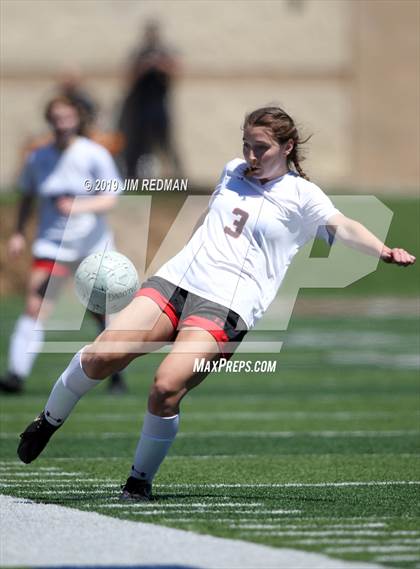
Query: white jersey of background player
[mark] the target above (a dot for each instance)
(68, 230)
(51, 174)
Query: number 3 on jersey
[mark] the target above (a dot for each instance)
(238, 223)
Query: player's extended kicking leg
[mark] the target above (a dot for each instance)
(130, 335)
(116, 384)
(174, 378)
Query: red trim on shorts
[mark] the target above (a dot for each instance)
(54, 268)
(216, 331)
(162, 302)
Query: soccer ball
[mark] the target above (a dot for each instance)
(106, 282)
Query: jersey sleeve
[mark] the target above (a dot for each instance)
(26, 180)
(316, 209)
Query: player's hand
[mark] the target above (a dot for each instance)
(64, 205)
(398, 257)
(16, 245)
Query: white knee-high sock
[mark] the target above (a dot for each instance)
(156, 438)
(25, 337)
(72, 384)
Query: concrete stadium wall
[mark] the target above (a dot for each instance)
(347, 70)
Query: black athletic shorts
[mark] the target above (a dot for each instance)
(186, 309)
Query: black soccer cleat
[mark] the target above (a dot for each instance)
(136, 490)
(35, 438)
(11, 383)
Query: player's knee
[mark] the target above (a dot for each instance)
(100, 365)
(164, 387)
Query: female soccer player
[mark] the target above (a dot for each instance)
(215, 289)
(67, 231)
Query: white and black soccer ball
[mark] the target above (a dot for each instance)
(106, 282)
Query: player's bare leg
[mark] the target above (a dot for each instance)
(174, 378)
(116, 384)
(128, 338)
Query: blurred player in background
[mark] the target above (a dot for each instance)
(145, 120)
(67, 230)
(71, 86)
(213, 291)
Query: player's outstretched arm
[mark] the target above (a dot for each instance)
(67, 205)
(355, 235)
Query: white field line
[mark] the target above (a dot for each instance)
(325, 533)
(29, 477)
(359, 521)
(68, 491)
(28, 484)
(295, 484)
(242, 434)
(267, 485)
(246, 456)
(183, 505)
(396, 558)
(360, 358)
(223, 517)
(324, 397)
(305, 526)
(175, 512)
(272, 485)
(314, 338)
(13, 463)
(74, 537)
(344, 541)
(372, 549)
(314, 520)
(247, 518)
(384, 308)
(18, 465)
(76, 475)
(291, 434)
(63, 492)
(230, 415)
(41, 468)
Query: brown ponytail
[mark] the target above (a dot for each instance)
(283, 128)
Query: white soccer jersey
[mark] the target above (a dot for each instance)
(240, 254)
(50, 173)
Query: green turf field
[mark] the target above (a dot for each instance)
(320, 455)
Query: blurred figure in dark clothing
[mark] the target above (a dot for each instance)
(145, 117)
